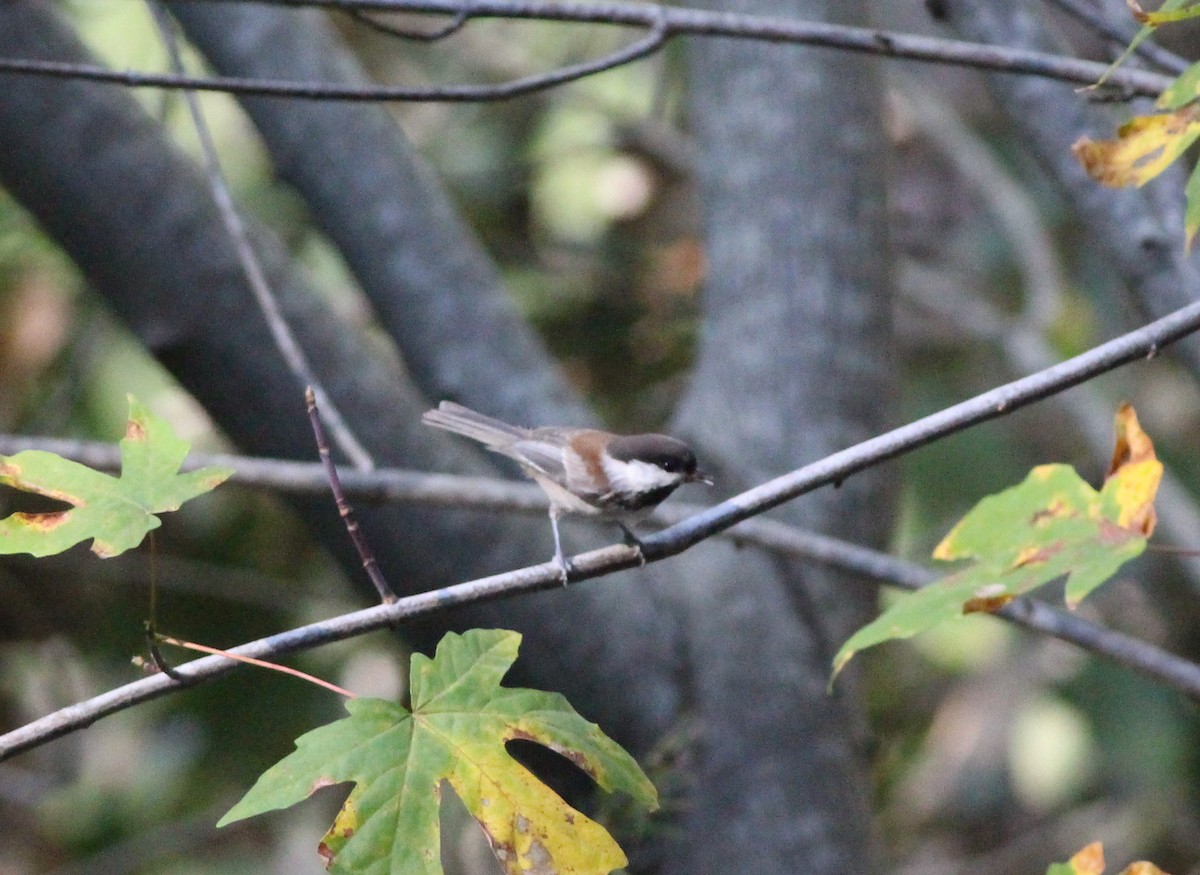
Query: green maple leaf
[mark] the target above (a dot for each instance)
(116, 513)
(1050, 525)
(460, 720)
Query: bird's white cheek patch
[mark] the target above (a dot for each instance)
(635, 476)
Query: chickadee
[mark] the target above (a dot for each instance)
(583, 470)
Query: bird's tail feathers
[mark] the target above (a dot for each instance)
(464, 421)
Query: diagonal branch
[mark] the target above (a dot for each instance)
(1036, 616)
(1144, 342)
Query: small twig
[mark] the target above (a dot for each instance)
(260, 663)
(452, 27)
(647, 45)
(1096, 20)
(365, 553)
(282, 335)
(156, 656)
(150, 626)
(152, 610)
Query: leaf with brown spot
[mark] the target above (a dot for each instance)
(1051, 525)
(1145, 146)
(988, 605)
(1133, 477)
(116, 513)
(460, 720)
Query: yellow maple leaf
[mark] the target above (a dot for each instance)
(1134, 474)
(1145, 146)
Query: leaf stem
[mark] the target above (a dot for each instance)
(261, 663)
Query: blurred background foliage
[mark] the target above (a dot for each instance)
(994, 749)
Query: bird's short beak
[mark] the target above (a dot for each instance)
(701, 477)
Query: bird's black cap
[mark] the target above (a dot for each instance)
(668, 453)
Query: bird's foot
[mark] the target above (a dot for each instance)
(564, 568)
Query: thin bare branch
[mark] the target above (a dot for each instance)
(419, 487)
(1028, 613)
(260, 663)
(308, 478)
(664, 23)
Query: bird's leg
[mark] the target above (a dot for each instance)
(632, 540)
(560, 560)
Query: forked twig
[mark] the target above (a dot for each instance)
(457, 23)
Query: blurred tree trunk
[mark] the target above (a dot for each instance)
(723, 653)
(795, 363)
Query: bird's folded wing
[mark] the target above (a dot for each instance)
(544, 457)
